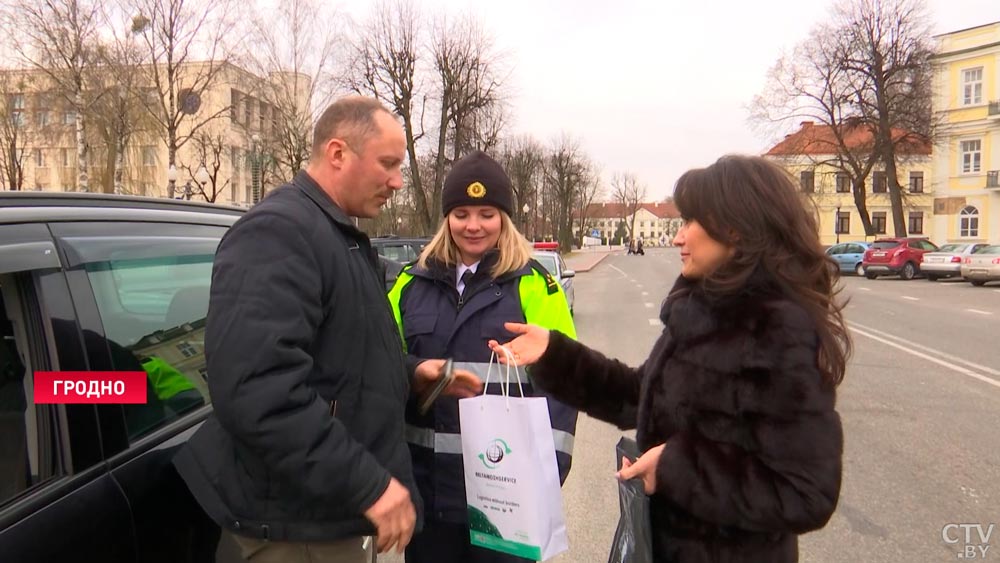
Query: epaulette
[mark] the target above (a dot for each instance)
(550, 282)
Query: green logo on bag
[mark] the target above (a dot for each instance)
(494, 454)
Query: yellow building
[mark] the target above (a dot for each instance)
(654, 223)
(234, 124)
(809, 155)
(967, 152)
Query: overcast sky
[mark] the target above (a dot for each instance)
(652, 87)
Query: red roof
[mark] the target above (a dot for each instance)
(662, 210)
(813, 139)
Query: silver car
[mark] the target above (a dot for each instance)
(556, 266)
(946, 262)
(983, 266)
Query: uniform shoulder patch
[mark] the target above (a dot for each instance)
(550, 282)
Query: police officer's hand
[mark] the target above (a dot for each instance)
(465, 384)
(526, 348)
(394, 517)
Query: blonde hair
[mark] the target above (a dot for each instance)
(515, 252)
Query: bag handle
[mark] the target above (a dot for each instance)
(504, 389)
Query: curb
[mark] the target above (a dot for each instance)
(589, 267)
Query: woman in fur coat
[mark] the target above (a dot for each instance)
(734, 408)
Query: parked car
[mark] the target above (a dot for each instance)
(554, 263)
(849, 256)
(100, 282)
(394, 253)
(983, 266)
(946, 262)
(896, 256)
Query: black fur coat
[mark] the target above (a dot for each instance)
(753, 442)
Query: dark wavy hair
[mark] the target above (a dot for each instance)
(754, 206)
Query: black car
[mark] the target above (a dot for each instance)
(97, 282)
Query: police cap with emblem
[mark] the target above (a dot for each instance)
(477, 179)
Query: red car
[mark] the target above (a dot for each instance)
(896, 256)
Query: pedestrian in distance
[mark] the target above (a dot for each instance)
(303, 457)
(476, 274)
(735, 407)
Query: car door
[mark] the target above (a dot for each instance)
(58, 502)
(145, 288)
(837, 253)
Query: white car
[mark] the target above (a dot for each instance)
(556, 266)
(983, 266)
(946, 261)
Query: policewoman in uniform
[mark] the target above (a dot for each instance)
(476, 274)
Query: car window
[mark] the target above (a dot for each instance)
(989, 250)
(928, 245)
(29, 455)
(152, 296)
(884, 244)
(856, 249)
(562, 264)
(956, 248)
(549, 261)
(836, 249)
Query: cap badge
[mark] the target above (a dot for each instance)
(476, 190)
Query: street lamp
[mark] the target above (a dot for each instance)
(836, 224)
(202, 177)
(399, 225)
(171, 180)
(526, 209)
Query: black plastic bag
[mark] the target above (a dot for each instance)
(633, 541)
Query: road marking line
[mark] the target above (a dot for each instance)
(977, 311)
(861, 288)
(648, 305)
(624, 275)
(931, 359)
(928, 349)
(645, 293)
(997, 290)
(654, 322)
(907, 297)
(639, 285)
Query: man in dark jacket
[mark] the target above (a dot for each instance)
(304, 455)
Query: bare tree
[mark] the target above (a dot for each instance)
(627, 191)
(591, 189)
(13, 133)
(523, 157)
(212, 153)
(296, 46)
(57, 38)
(565, 170)
(175, 35)
(384, 55)
(887, 44)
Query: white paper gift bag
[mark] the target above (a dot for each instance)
(511, 476)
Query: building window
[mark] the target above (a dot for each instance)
(916, 225)
(42, 118)
(69, 118)
(234, 105)
(972, 156)
(843, 183)
(808, 180)
(64, 158)
(879, 182)
(972, 86)
(916, 182)
(187, 350)
(17, 101)
(234, 160)
(968, 222)
(844, 222)
(149, 156)
(247, 111)
(39, 158)
(878, 222)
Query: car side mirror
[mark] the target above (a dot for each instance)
(568, 273)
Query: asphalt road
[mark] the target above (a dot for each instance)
(920, 405)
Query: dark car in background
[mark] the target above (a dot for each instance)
(94, 282)
(896, 256)
(395, 252)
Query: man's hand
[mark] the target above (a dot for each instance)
(465, 384)
(394, 517)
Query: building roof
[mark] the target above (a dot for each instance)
(662, 210)
(812, 139)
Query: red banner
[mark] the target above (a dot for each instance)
(92, 387)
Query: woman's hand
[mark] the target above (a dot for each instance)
(644, 468)
(525, 349)
(465, 384)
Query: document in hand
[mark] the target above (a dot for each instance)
(511, 476)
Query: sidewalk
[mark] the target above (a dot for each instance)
(586, 259)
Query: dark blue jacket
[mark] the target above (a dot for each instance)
(434, 323)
